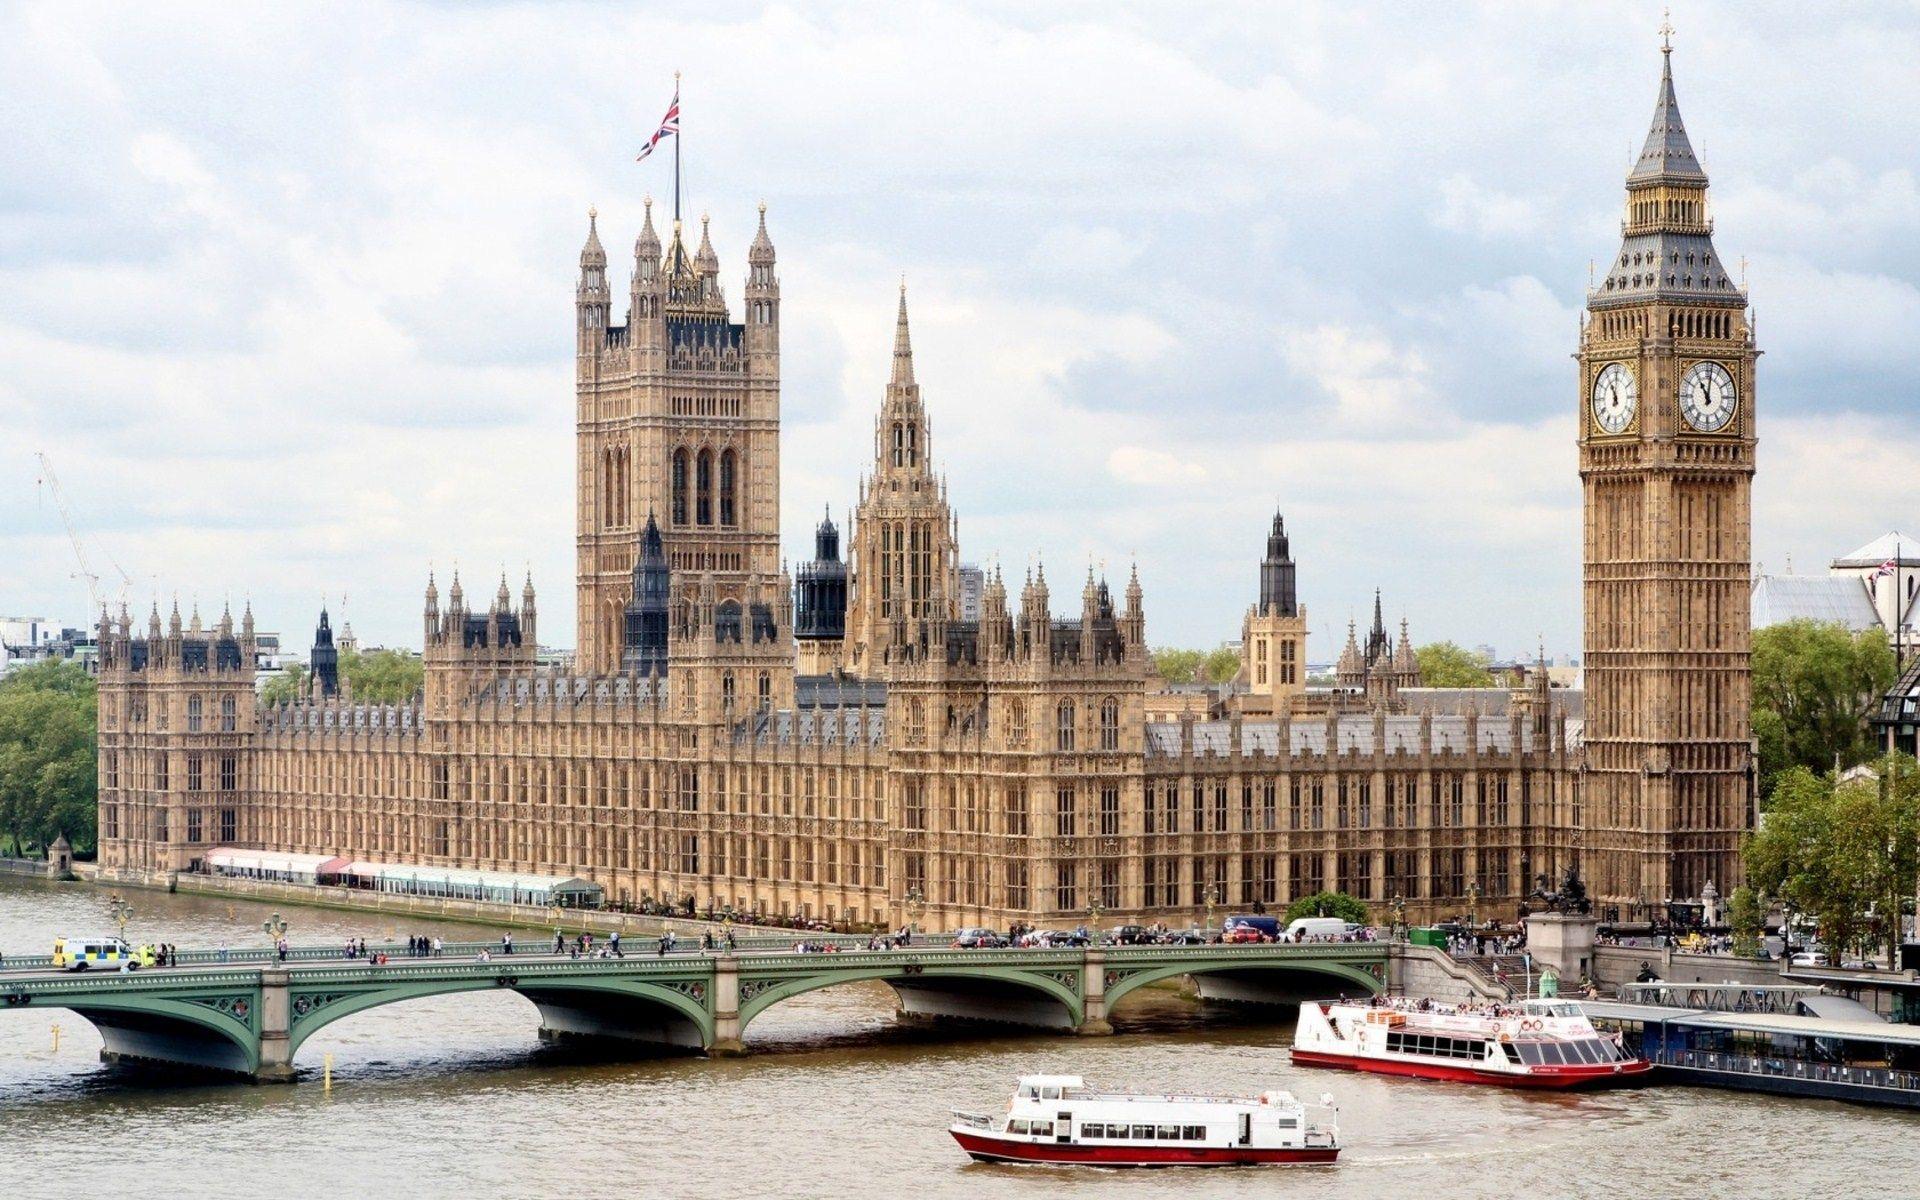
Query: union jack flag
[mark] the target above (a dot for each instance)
(669, 126)
(1886, 568)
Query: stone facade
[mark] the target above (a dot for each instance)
(876, 757)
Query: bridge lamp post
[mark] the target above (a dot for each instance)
(275, 927)
(121, 912)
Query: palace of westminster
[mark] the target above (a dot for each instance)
(846, 746)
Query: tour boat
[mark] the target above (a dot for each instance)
(1535, 1044)
(1058, 1119)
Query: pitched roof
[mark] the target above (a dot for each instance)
(1894, 545)
(1777, 599)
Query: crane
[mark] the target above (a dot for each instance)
(50, 483)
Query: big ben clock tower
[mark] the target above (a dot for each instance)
(1666, 470)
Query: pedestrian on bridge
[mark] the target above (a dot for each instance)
(438, 946)
(559, 942)
(506, 943)
(613, 944)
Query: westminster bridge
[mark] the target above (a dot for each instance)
(249, 1012)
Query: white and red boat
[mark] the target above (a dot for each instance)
(1534, 1044)
(1059, 1119)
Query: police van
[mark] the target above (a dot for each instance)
(80, 954)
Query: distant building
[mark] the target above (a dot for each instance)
(973, 586)
(1872, 587)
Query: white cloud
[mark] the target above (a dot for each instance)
(286, 295)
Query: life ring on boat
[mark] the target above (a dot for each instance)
(1532, 1025)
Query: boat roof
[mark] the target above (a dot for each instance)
(1060, 1081)
(1780, 1023)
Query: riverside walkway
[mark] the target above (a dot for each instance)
(247, 1012)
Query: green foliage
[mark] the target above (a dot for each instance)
(1175, 665)
(287, 686)
(1449, 665)
(383, 676)
(1329, 904)
(1844, 853)
(1748, 919)
(48, 756)
(1196, 666)
(1813, 685)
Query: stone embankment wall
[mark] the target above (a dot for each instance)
(1424, 972)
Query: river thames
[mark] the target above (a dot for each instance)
(454, 1096)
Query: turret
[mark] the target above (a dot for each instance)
(645, 644)
(762, 293)
(592, 300)
(1277, 574)
(324, 660)
(431, 617)
(527, 629)
(1133, 619)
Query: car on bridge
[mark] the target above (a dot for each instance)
(978, 938)
(106, 953)
(1129, 935)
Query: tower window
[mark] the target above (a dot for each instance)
(1063, 732)
(727, 472)
(703, 489)
(680, 487)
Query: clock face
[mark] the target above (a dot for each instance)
(1707, 398)
(1615, 397)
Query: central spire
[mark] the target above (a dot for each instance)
(902, 345)
(1667, 156)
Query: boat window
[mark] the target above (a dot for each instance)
(1552, 1053)
(1513, 1053)
(1194, 1133)
(1016, 1127)
(1285, 1123)
(1143, 1133)
(1169, 1133)
(1530, 1053)
(1049, 1093)
(1029, 1091)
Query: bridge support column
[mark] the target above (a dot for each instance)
(276, 1024)
(1093, 991)
(726, 1008)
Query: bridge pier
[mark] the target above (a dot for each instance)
(276, 1028)
(726, 1008)
(1093, 991)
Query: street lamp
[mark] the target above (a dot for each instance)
(275, 927)
(121, 912)
(916, 903)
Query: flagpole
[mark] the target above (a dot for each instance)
(676, 152)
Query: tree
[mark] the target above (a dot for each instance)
(383, 676)
(1329, 904)
(287, 686)
(1219, 665)
(1842, 852)
(1175, 665)
(1813, 685)
(1748, 919)
(48, 755)
(1447, 664)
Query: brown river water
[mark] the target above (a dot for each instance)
(455, 1097)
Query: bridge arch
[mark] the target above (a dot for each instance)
(215, 1033)
(631, 1009)
(1050, 998)
(1121, 979)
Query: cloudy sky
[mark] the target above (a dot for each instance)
(285, 293)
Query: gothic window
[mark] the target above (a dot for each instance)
(726, 622)
(703, 489)
(1063, 730)
(727, 465)
(193, 714)
(1110, 724)
(680, 487)
(226, 714)
(766, 691)
(913, 450)
(726, 692)
(1063, 814)
(899, 446)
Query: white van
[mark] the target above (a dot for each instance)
(1303, 928)
(106, 953)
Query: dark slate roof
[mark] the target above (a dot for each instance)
(838, 691)
(1667, 156)
(1352, 732)
(809, 727)
(1669, 266)
(365, 718)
